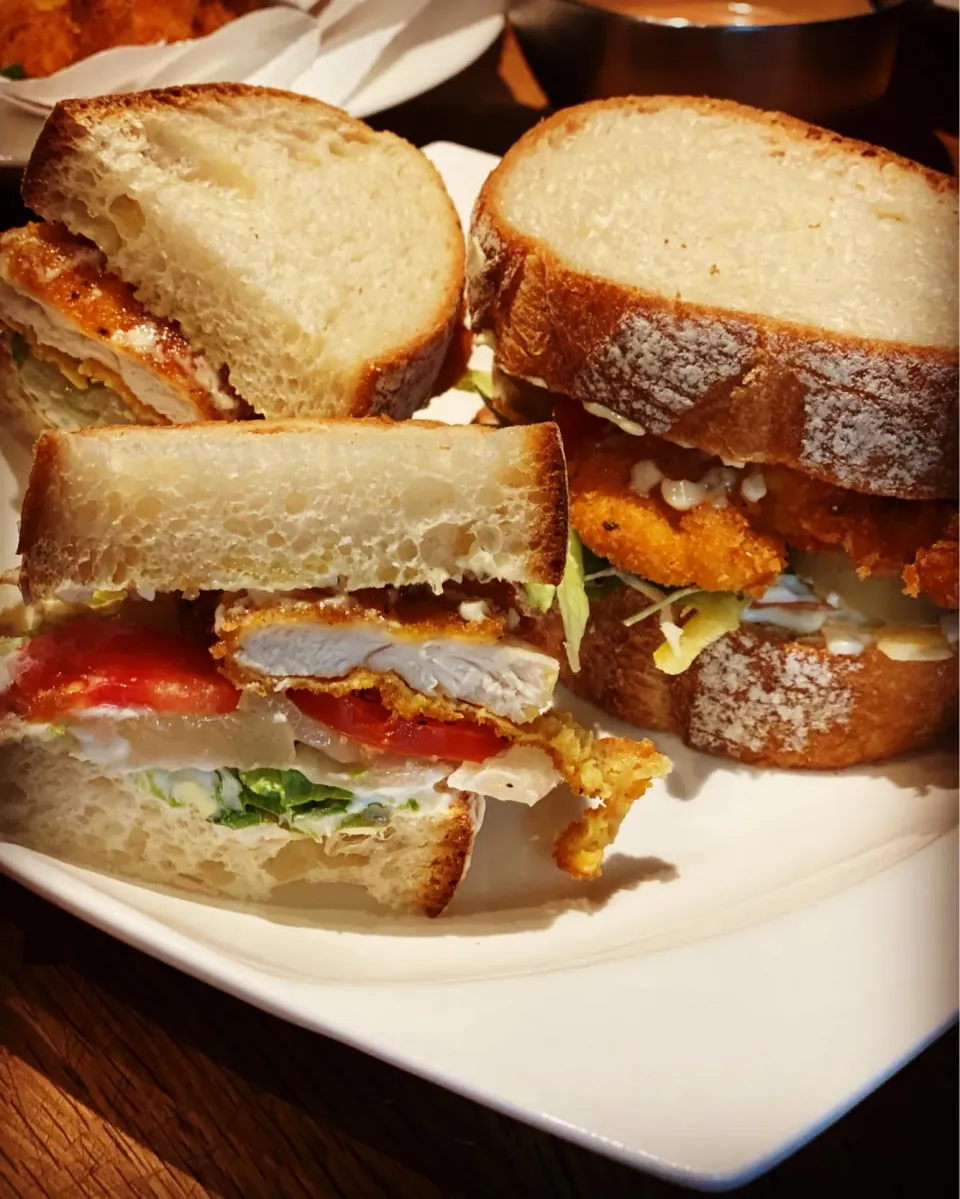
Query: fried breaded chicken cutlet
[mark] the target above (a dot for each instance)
(752, 356)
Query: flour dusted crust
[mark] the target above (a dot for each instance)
(870, 415)
(67, 808)
(760, 696)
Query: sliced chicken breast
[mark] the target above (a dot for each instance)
(463, 652)
(55, 292)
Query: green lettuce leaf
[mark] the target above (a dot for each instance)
(540, 595)
(289, 793)
(13, 71)
(481, 383)
(571, 597)
(368, 817)
(573, 602)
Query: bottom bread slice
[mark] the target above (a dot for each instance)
(64, 807)
(759, 695)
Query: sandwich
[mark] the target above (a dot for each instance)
(258, 653)
(219, 251)
(746, 328)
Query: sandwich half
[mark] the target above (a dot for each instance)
(78, 349)
(211, 247)
(746, 328)
(311, 641)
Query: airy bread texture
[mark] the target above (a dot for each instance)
(284, 506)
(760, 696)
(321, 262)
(731, 279)
(66, 808)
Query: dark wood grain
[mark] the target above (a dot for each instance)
(120, 1077)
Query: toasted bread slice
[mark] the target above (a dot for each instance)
(55, 292)
(67, 808)
(734, 280)
(759, 695)
(321, 262)
(276, 506)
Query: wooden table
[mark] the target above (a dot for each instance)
(120, 1077)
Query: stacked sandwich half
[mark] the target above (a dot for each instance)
(262, 653)
(746, 328)
(220, 251)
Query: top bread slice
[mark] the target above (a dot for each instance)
(319, 261)
(731, 279)
(282, 506)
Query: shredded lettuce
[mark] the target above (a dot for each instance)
(239, 799)
(571, 597)
(715, 613)
(660, 604)
(540, 595)
(60, 401)
(573, 602)
(288, 794)
(479, 381)
(159, 784)
(368, 817)
(481, 384)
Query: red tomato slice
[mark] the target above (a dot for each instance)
(104, 662)
(371, 723)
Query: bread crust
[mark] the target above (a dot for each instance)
(34, 778)
(869, 415)
(395, 385)
(42, 528)
(760, 696)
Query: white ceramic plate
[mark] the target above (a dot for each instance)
(763, 949)
(442, 41)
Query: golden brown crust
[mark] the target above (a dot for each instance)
(406, 617)
(759, 696)
(742, 545)
(452, 856)
(549, 536)
(715, 548)
(48, 264)
(400, 384)
(396, 385)
(43, 484)
(936, 570)
(64, 123)
(865, 414)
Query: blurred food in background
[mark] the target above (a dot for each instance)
(39, 37)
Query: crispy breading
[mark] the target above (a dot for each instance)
(614, 770)
(935, 570)
(880, 535)
(715, 548)
(40, 39)
(742, 546)
(44, 36)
